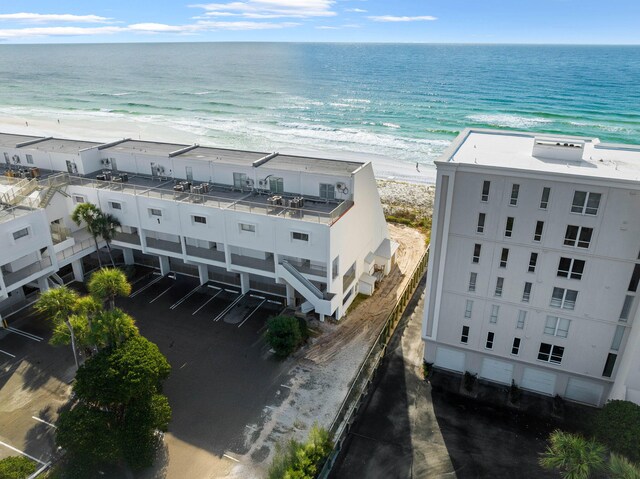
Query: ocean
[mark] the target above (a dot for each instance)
(402, 102)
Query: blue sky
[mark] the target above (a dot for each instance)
(435, 21)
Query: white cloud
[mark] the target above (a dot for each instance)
(246, 25)
(391, 18)
(355, 10)
(326, 27)
(57, 32)
(271, 8)
(52, 17)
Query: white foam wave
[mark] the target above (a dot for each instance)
(391, 125)
(508, 121)
(120, 94)
(355, 100)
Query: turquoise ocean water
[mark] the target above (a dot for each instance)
(405, 102)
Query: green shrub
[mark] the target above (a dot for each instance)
(617, 426)
(16, 467)
(468, 381)
(285, 334)
(296, 460)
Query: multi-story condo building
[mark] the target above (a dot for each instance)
(535, 264)
(309, 229)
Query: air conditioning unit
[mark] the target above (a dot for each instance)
(161, 170)
(105, 161)
(16, 159)
(340, 186)
(249, 182)
(262, 183)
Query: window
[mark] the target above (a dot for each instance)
(29, 159)
(464, 337)
(327, 191)
(77, 199)
(526, 293)
(494, 313)
(481, 218)
(617, 338)
(485, 191)
(468, 308)
(6, 158)
(522, 316)
(635, 277)
(563, 298)
(239, 181)
(557, 326)
(515, 190)
(585, 203)
(200, 219)
(626, 308)
(472, 281)
(608, 366)
(544, 199)
(508, 229)
(537, 234)
(476, 253)
(155, 212)
(335, 267)
(115, 205)
(533, 259)
(504, 257)
(550, 354)
(20, 233)
(578, 236)
(570, 268)
(247, 228)
(296, 235)
(489, 343)
(499, 285)
(515, 348)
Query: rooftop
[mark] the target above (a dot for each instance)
(566, 155)
(312, 165)
(59, 145)
(10, 140)
(145, 147)
(235, 157)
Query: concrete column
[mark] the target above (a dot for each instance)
(291, 296)
(322, 318)
(78, 270)
(244, 282)
(128, 255)
(43, 284)
(203, 272)
(165, 269)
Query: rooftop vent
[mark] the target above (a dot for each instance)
(558, 149)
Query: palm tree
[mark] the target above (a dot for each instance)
(621, 468)
(112, 328)
(89, 213)
(59, 305)
(106, 225)
(107, 283)
(573, 456)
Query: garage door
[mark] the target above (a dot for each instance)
(584, 391)
(498, 371)
(538, 381)
(450, 359)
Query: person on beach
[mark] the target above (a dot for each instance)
(26, 123)
(417, 167)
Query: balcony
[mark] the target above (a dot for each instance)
(254, 263)
(164, 245)
(131, 238)
(17, 276)
(206, 253)
(306, 267)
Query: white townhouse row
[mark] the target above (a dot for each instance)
(535, 264)
(309, 229)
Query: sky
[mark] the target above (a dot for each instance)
(414, 21)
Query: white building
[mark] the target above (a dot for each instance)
(535, 263)
(309, 229)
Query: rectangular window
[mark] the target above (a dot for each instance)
(200, 219)
(20, 233)
(335, 267)
(533, 260)
(626, 308)
(464, 337)
(544, 199)
(537, 234)
(550, 354)
(489, 343)
(476, 253)
(327, 191)
(6, 158)
(486, 185)
(557, 326)
(115, 205)
(526, 293)
(515, 191)
(608, 366)
(635, 277)
(617, 338)
(570, 268)
(499, 285)
(468, 309)
(472, 281)
(515, 348)
(481, 219)
(585, 203)
(578, 236)
(247, 228)
(522, 316)
(29, 159)
(77, 199)
(155, 212)
(299, 236)
(504, 257)
(494, 313)
(508, 229)
(563, 298)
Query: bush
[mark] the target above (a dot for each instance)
(469, 380)
(16, 467)
(302, 460)
(285, 334)
(617, 426)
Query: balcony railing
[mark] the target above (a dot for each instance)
(59, 233)
(12, 278)
(255, 263)
(206, 253)
(131, 238)
(164, 245)
(306, 267)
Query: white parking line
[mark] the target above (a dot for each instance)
(161, 293)
(184, 298)
(8, 354)
(25, 334)
(22, 452)
(148, 285)
(251, 313)
(228, 308)
(232, 458)
(231, 291)
(44, 422)
(206, 302)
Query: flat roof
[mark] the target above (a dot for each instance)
(312, 165)
(10, 140)
(61, 145)
(514, 150)
(222, 155)
(146, 147)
